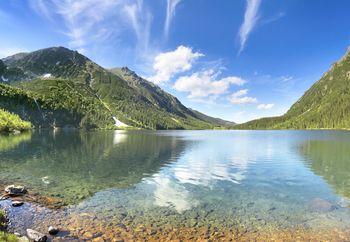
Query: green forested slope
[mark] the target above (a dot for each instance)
(54, 103)
(326, 105)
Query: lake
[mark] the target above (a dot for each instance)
(140, 185)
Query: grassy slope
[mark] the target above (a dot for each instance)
(325, 105)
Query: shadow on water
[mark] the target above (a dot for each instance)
(73, 165)
(330, 159)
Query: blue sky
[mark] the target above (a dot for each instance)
(234, 59)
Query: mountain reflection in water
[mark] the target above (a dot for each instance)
(330, 159)
(75, 164)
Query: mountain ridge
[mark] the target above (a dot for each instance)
(46, 73)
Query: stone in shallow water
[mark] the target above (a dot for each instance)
(22, 239)
(36, 236)
(321, 205)
(13, 190)
(17, 203)
(53, 230)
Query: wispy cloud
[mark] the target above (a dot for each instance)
(89, 22)
(42, 7)
(274, 18)
(251, 17)
(140, 19)
(84, 20)
(170, 13)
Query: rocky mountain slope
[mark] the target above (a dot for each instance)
(58, 80)
(326, 105)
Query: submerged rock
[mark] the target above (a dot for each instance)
(36, 236)
(13, 190)
(53, 230)
(17, 203)
(321, 205)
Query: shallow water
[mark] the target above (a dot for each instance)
(140, 181)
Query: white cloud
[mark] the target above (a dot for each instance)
(251, 17)
(266, 106)
(168, 64)
(240, 97)
(5, 52)
(204, 84)
(170, 13)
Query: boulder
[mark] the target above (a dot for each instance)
(36, 236)
(13, 190)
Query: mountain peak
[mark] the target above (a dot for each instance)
(57, 61)
(126, 69)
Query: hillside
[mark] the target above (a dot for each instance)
(65, 81)
(326, 105)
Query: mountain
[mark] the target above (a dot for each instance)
(326, 105)
(153, 93)
(162, 99)
(64, 88)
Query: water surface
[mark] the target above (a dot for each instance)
(245, 181)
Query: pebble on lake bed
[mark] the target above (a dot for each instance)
(17, 203)
(53, 230)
